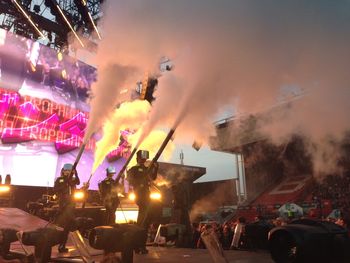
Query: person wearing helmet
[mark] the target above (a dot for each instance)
(64, 188)
(140, 177)
(108, 189)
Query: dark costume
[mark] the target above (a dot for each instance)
(64, 188)
(109, 195)
(140, 177)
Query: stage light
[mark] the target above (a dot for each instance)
(148, 87)
(28, 18)
(69, 25)
(59, 56)
(95, 27)
(43, 239)
(156, 196)
(36, 9)
(64, 74)
(7, 236)
(5, 188)
(132, 196)
(122, 238)
(79, 195)
(126, 215)
(52, 235)
(84, 11)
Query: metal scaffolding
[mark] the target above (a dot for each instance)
(81, 14)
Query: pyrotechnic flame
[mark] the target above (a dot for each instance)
(129, 115)
(152, 144)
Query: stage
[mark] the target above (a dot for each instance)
(22, 221)
(187, 255)
(172, 255)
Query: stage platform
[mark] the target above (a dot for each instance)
(173, 255)
(187, 255)
(22, 221)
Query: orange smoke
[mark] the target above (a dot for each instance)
(152, 143)
(162, 182)
(130, 115)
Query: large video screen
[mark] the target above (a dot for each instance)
(44, 108)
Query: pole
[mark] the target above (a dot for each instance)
(154, 160)
(125, 164)
(77, 159)
(80, 153)
(158, 154)
(162, 147)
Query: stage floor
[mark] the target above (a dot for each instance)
(18, 219)
(186, 255)
(164, 255)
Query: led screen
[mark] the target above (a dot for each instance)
(44, 108)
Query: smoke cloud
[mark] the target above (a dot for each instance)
(229, 53)
(237, 49)
(210, 203)
(112, 78)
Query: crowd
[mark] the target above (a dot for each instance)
(336, 190)
(240, 234)
(235, 234)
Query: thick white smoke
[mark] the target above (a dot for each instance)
(235, 51)
(230, 53)
(112, 78)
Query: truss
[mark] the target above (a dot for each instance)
(51, 23)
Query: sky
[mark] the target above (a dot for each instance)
(230, 54)
(219, 165)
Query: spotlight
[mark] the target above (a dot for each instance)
(59, 56)
(122, 238)
(7, 236)
(36, 9)
(132, 196)
(156, 196)
(5, 188)
(84, 11)
(64, 74)
(56, 11)
(79, 195)
(43, 239)
(53, 236)
(19, 7)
